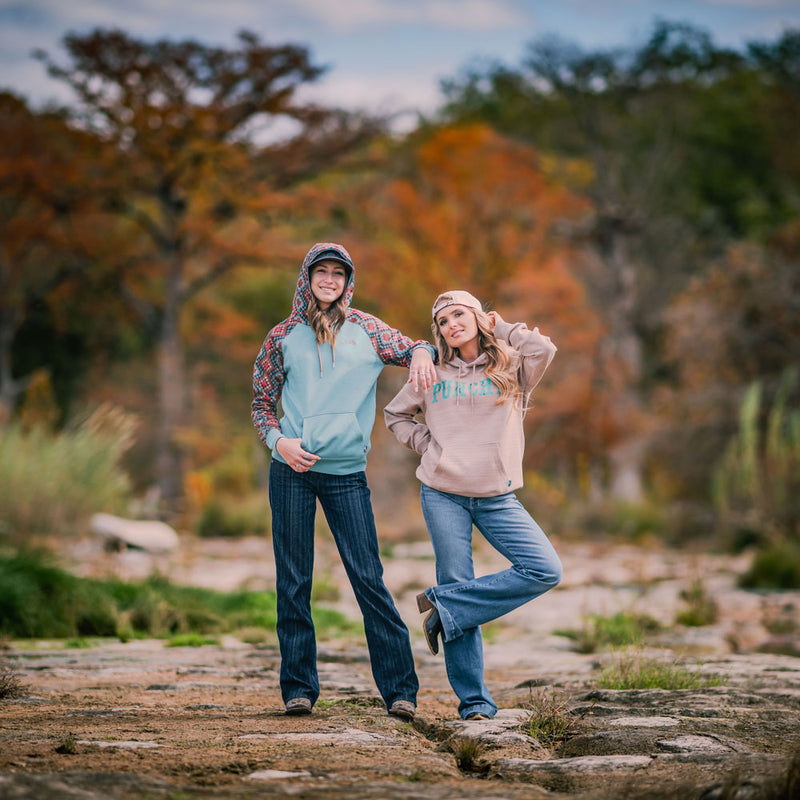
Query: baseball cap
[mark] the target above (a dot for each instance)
(330, 255)
(456, 297)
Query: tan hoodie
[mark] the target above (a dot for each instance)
(470, 445)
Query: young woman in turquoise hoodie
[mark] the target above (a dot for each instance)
(322, 364)
(471, 443)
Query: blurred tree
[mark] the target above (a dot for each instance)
(681, 150)
(49, 236)
(185, 166)
(778, 104)
(737, 324)
(733, 327)
(462, 206)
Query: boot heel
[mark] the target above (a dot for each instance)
(423, 604)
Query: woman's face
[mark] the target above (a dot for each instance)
(458, 326)
(328, 279)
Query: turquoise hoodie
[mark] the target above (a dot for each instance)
(327, 394)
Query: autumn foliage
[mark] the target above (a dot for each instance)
(641, 209)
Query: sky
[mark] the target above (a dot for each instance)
(381, 55)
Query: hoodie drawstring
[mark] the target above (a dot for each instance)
(472, 386)
(319, 356)
(472, 393)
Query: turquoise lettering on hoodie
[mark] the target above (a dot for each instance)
(444, 390)
(487, 387)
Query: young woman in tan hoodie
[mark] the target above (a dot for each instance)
(471, 444)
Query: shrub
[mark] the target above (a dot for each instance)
(10, 686)
(775, 567)
(52, 483)
(632, 522)
(757, 482)
(68, 745)
(234, 517)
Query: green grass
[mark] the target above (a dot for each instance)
(68, 745)
(40, 600)
(619, 630)
(549, 720)
(77, 643)
(348, 703)
(700, 609)
(633, 670)
(191, 640)
(467, 753)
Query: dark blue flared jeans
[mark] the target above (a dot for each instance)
(345, 501)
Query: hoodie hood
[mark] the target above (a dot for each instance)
(321, 252)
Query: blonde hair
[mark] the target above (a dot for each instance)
(502, 360)
(326, 322)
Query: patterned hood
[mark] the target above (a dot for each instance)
(322, 251)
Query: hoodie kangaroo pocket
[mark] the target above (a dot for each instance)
(333, 436)
(462, 466)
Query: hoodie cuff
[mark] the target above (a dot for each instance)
(272, 437)
(502, 330)
(429, 347)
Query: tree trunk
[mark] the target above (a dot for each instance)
(626, 456)
(171, 395)
(626, 462)
(10, 389)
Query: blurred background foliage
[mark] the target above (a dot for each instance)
(641, 206)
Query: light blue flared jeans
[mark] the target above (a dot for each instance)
(465, 602)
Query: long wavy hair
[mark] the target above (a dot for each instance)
(326, 322)
(502, 360)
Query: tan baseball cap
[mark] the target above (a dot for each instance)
(457, 297)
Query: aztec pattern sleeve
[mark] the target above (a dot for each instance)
(391, 346)
(268, 378)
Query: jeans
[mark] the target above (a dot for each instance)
(465, 602)
(345, 500)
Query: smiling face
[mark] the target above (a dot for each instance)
(328, 279)
(459, 328)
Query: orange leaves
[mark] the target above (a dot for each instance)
(478, 211)
(473, 209)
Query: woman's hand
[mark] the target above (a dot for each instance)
(494, 318)
(294, 455)
(421, 371)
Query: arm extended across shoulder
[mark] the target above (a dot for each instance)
(391, 346)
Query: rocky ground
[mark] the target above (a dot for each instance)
(140, 720)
